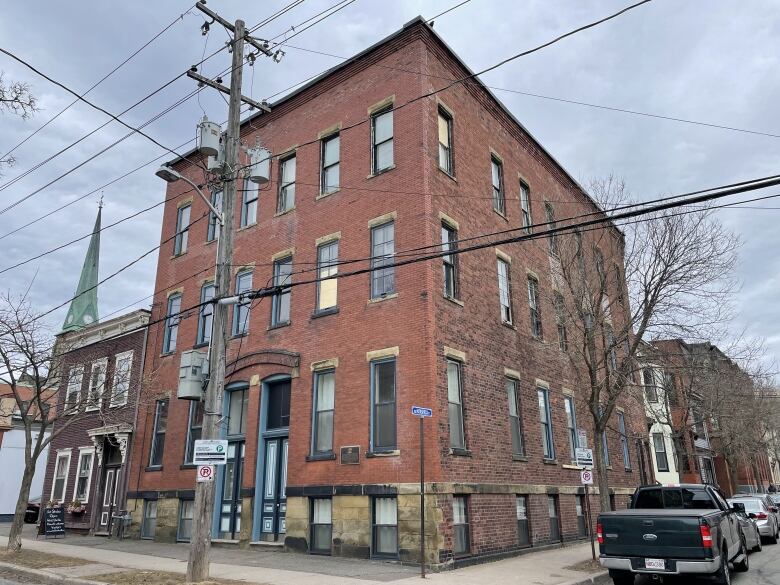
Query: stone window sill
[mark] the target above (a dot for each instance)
(373, 454)
(154, 468)
(460, 452)
(325, 312)
(570, 466)
(321, 457)
(500, 214)
(510, 325)
(285, 212)
(179, 255)
(384, 298)
(197, 345)
(454, 300)
(187, 466)
(448, 174)
(550, 461)
(279, 325)
(519, 457)
(381, 171)
(328, 194)
(247, 226)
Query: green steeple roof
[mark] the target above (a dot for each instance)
(84, 307)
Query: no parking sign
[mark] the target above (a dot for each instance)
(205, 473)
(586, 477)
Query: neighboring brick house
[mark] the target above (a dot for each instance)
(323, 448)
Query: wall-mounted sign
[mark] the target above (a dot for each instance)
(350, 455)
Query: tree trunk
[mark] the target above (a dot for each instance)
(602, 479)
(15, 535)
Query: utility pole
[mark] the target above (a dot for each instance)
(205, 492)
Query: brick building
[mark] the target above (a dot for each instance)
(324, 452)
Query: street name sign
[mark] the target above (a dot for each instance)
(422, 412)
(210, 452)
(584, 457)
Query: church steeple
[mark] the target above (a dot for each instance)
(84, 307)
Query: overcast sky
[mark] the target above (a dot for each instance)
(668, 57)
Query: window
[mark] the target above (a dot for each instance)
(505, 291)
(280, 311)
(609, 342)
(604, 442)
(560, 318)
(122, 371)
(382, 257)
(172, 323)
(385, 528)
(278, 406)
(515, 418)
(149, 522)
(186, 509)
(659, 446)
(552, 238)
(555, 524)
(97, 385)
(523, 528)
(321, 525)
(624, 440)
(238, 401)
(382, 140)
(497, 179)
(158, 434)
(449, 243)
(548, 447)
(383, 437)
(249, 202)
(648, 381)
(571, 425)
(460, 526)
(331, 157)
(194, 428)
(582, 527)
(327, 265)
(324, 400)
(619, 284)
(535, 307)
(206, 313)
(598, 257)
(182, 230)
(455, 405)
(212, 232)
(525, 207)
(61, 469)
(73, 391)
(84, 475)
(445, 143)
(286, 199)
(242, 308)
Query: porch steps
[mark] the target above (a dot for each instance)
(267, 546)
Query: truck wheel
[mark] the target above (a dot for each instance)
(722, 575)
(621, 577)
(743, 565)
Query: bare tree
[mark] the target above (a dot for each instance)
(16, 98)
(667, 274)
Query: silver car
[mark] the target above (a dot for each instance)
(766, 521)
(748, 527)
(768, 501)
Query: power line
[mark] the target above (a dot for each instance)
(450, 9)
(344, 4)
(101, 80)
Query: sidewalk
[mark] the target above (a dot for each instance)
(279, 568)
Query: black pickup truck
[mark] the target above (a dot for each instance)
(672, 530)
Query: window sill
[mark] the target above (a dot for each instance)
(187, 466)
(153, 468)
(519, 457)
(550, 461)
(460, 452)
(247, 226)
(198, 345)
(285, 212)
(454, 300)
(239, 335)
(380, 299)
(279, 325)
(118, 405)
(570, 466)
(167, 353)
(322, 457)
(628, 470)
(325, 312)
(93, 409)
(174, 256)
(328, 194)
(447, 173)
(510, 325)
(501, 215)
(211, 241)
(381, 171)
(392, 453)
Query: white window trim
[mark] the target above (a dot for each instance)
(89, 407)
(74, 370)
(84, 451)
(62, 453)
(117, 359)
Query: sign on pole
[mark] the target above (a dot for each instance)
(584, 457)
(582, 439)
(210, 452)
(422, 412)
(205, 473)
(586, 477)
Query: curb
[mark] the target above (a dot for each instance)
(48, 577)
(601, 578)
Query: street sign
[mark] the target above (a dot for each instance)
(586, 477)
(422, 412)
(210, 452)
(584, 457)
(582, 439)
(205, 473)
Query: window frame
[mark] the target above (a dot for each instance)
(651, 389)
(570, 410)
(181, 518)
(284, 296)
(239, 328)
(315, 407)
(498, 191)
(505, 288)
(665, 468)
(464, 526)
(157, 442)
(95, 399)
(284, 202)
(170, 339)
(62, 454)
(375, 116)
(189, 446)
(375, 526)
(528, 534)
(449, 167)
(535, 308)
(148, 520)
(450, 261)
(380, 272)
(559, 304)
(605, 443)
(250, 202)
(84, 451)
(624, 447)
(312, 525)
(213, 227)
(325, 188)
(546, 428)
(73, 387)
(513, 398)
(554, 505)
(120, 357)
(458, 406)
(374, 404)
(552, 238)
(582, 518)
(181, 239)
(326, 268)
(206, 313)
(526, 219)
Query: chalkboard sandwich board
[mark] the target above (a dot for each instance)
(54, 521)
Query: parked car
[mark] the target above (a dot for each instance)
(775, 497)
(765, 520)
(33, 511)
(748, 524)
(768, 502)
(672, 530)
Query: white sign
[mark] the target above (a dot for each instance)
(582, 439)
(205, 473)
(586, 477)
(210, 452)
(584, 457)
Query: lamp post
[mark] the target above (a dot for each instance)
(170, 175)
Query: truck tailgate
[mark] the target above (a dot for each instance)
(652, 534)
